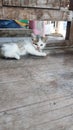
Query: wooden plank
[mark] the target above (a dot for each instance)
(34, 14)
(0, 3)
(15, 32)
(71, 34)
(38, 116)
(11, 2)
(14, 95)
(33, 3)
(54, 4)
(36, 93)
(65, 4)
(24, 82)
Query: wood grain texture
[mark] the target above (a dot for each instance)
(0, 3)
(71, 32)
(33, 3)
(34, 14)
(36, 10)
(51, 4)
(22, 32)
(37, 93)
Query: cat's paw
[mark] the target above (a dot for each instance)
(17, 57)
(44, 54)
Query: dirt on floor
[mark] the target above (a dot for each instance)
(36, 93)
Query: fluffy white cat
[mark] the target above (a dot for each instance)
(33, 46)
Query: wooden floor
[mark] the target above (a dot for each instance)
(37, 93)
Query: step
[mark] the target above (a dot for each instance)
(15, 32)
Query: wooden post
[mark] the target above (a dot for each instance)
(71, 5)
(68, 30)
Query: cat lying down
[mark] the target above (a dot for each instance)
(33, 46)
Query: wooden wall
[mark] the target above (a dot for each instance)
(71, 33)
(35, 9)
(33, 3)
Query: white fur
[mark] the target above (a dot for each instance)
(12, 50)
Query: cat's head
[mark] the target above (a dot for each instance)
(38, 41)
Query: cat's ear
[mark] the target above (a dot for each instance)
(44, 39)
(33, 36)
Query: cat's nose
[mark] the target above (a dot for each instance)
(38, 48)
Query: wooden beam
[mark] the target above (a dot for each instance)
(15, 32)
(32, 3)
(0, 3)
(33, 14)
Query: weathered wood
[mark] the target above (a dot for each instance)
(39, 116)
(22, 9)
(33, 3)
(36, 93)
(21, 32)
(65, 4)
(34, 14)
(12, 2)
(0, 3)
(71, 33)
(54, 4)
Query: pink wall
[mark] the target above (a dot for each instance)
(33, 26)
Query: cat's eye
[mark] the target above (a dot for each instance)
(41, 45)
(35, 44)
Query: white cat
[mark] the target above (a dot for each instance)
(33, 46)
